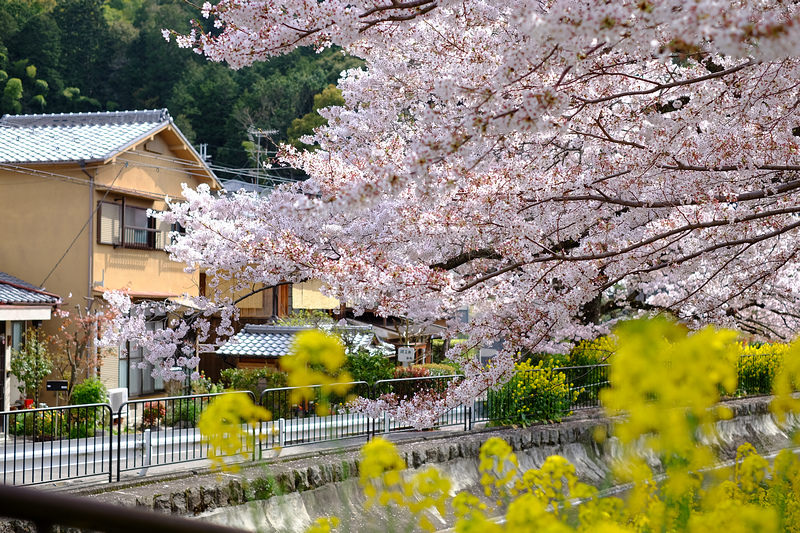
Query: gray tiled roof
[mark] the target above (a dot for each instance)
(15, 291)
(69, 137)
(275, 341)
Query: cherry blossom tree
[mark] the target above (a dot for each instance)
(553, 165)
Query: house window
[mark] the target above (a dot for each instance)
(135, 372)
(128, 226)
(109, 225)
(139, 229)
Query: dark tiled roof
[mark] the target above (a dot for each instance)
(70, 137)
(15, 291)
(275, 341)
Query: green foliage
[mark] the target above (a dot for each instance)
(13, 89)
(30, 71)
(19, 68)
(330, 96)
(89, 391)
(38, 102)
(364, 366)
(253, 379)
(31, 364)
(437, 369)
(70, 93)
(304, 317)
(3, 76)
(536, 393)
(185, 412)
(56, 424)
(41, 87)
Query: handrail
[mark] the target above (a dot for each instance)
(46, 509)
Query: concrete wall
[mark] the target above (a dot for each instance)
(287, 494)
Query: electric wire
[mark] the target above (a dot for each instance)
(91, 217)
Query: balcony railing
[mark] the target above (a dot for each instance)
(143, 238)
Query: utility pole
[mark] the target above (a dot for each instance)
(255, 135)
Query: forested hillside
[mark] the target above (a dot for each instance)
(60, 56)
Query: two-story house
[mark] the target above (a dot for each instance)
(74, 195)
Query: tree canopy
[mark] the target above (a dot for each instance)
(107, 55)
(552, 165)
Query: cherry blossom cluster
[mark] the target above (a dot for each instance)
(552, 165)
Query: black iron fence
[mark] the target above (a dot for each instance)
(58, 443)
(163, 431)
(51, 444)
(43, 445)
(318, 417)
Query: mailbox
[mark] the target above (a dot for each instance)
(57, 385)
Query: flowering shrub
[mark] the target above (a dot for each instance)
(413, 371)
(535, 393)
(152, 413)
(204, 385)
(758, 366)
(594, 352)
(667, 384)
(37, 424)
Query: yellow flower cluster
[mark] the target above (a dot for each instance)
(383, 480)
(229, 426)
(535, 393)
(315, 359)
(667, 383)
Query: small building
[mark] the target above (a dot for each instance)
(259, 346)
(22, 306)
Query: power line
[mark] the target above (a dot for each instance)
(91, 217)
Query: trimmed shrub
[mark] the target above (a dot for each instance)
(253, 379)
(370, 368)
(89, 391)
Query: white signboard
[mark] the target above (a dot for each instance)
(405, 354)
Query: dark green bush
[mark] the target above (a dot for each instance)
(370, 368)
(89, 391)
(184, 411)
(253, 379)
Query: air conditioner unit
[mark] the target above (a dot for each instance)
(117, 397)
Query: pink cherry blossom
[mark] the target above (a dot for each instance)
(553, 165)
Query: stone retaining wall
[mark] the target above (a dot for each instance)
(305, 479)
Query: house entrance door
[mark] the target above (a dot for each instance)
(2, 365)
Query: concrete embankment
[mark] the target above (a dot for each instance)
(287, 494)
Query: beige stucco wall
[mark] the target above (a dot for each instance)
(307, 296)
(44, 208)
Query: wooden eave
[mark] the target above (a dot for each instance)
(177, 143)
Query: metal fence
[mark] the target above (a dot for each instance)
(301, 422)
(80, 441)
(50, 444)
(164, 431)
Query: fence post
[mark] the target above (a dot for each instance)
(147, 450)
(386, 422)
(281, 432)
(110, 444)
